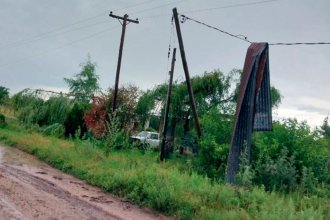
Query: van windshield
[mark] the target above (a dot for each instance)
(142, 134)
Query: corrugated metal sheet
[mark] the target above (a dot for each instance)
(253, 111)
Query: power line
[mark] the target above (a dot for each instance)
(231, 6)
(74, 23)
(304, 43)
(238, 36)
(244, 38)
(60, 47)
(215, 8)
(52, 35)
(160, 6)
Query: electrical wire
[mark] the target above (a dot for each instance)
(72, 24)
(244, 38)
(238, 36)
(52, 35)
(214, 8)
(62, 46)
(304, 43)
(160, 6)
(231, 6)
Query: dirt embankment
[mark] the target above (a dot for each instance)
(30, 189)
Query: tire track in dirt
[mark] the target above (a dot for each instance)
(42, 192)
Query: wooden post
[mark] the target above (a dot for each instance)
(121, 46)
(167, 107)
(186, 72)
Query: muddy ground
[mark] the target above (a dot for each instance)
(30, 189)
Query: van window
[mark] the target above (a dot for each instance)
(154, 136)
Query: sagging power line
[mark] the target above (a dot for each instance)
(244, 38)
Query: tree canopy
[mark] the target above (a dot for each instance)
(4, 94)
(85, 84)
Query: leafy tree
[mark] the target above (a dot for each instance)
(4, 94)
(308, 148)
(127, 99)
(85, 84)
(74, 124)
(325, 128)
(29, 107)
(212, 90)
(97, 118)
(56, 110)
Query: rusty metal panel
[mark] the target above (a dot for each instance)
(253, 110)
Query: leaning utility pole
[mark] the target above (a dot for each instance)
(124, 24)
(167, 108)
(186, 72)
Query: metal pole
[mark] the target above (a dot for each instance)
(186, 72)
(167, 108)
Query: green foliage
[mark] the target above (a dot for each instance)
(212, 90)
(2, 121)
(144, 106)
(277, 174)
(85, 84)
(29, 108)
(126, 106)
(213, 146)
(276, 97)
(75, 120)
(325, 131)
(308, 183)
(115, 136)
(307, 147)
(56, 110)
(164, 187)
(56, 130)
(4, 94)
(32, 110)
(246, 174)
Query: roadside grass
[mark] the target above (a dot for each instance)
(166, 187)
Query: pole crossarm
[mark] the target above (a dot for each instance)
(121, 46)
(136, 21)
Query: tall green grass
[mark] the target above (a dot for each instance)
(165, 187)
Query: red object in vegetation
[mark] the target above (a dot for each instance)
(95, 119)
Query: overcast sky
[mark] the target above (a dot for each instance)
(43, 41)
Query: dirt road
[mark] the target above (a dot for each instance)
(30, 189)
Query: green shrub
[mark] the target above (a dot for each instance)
(33, 110)
(115, 136)
(30, 108)
(56, 110)
(304, 150)
(214, 143)
(308, 182)
(2, 121)
(246, 174)
(75, 120)
(277, 174)
(56, 130)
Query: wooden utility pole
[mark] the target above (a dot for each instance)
(126, 21)
(186, 72)
(167, 108)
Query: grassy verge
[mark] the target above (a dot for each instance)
(165, 187)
